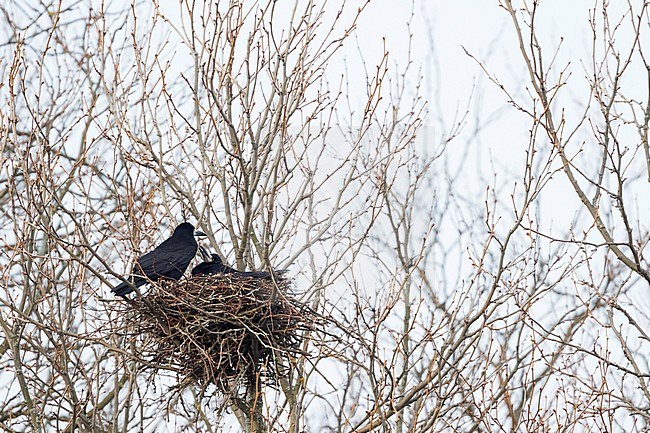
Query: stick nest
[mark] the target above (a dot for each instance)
(223, 329)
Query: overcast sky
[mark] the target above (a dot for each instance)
(443, 30)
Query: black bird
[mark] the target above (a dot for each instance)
(168, 260)
(214, 265)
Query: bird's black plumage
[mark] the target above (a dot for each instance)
(168, 260)
(214, 265)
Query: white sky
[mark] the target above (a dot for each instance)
(454, 80)
(485, 30)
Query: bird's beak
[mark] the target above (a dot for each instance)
(199, 233)
(205, 254)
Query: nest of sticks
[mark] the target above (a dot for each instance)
(225, 330)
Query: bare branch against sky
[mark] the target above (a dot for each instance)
(459, 194)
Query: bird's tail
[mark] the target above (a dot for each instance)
(276, 273)
(122, 289)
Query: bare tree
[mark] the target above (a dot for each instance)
(123, 122)
(440, 311)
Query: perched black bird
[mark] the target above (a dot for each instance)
(214, 265)
(169, 260)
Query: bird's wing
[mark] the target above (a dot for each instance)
(168, 258)
(204, 268)
(225, 269)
